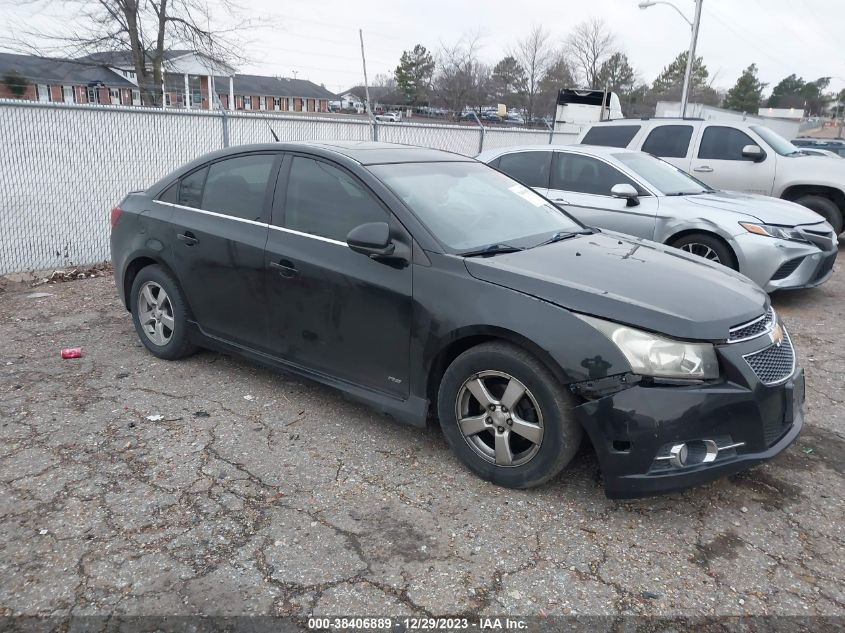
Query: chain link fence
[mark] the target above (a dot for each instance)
(64, 166)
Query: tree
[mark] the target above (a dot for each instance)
(560, 74)
(461, 79)
(590, 44)
(534, 54)
(413, 74)
(791, 86)
(747, 93)
(16, 83)
(671, 78)
(508, 82)
(145, 29)
(617, 73)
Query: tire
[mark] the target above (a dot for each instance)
(149, 310)
(825, 207)
(545, 404)
(708, 246)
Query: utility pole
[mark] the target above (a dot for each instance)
(366, 82)
(691, 57)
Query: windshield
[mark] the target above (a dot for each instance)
(667, 179)
(776, 141)
(469, 205)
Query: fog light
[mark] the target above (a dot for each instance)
(678, 455)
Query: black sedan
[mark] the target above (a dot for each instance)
(430, 285)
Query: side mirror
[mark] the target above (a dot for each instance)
(753, 153)
(626, 191)
(371, 239)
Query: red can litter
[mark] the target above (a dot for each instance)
(72, 352)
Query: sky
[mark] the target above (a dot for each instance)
(318, 40)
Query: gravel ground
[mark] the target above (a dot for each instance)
(261, 493)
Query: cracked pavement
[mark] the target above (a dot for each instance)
(262, 493)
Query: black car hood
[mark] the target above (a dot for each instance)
(636, 282)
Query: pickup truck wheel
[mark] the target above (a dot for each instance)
(825, 207)
(709, 247)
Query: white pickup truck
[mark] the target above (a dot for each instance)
(734, 156)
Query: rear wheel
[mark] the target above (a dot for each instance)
(825, 207)
(160, 314)
(709, 247)
(506, 416)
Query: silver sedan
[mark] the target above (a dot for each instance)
(777, 244)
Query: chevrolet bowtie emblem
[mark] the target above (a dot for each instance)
(777, 335)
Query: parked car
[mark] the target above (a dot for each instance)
(777, 244)
(394, 117)
(734, 156)
(423, 282)
(837, 146)
(491, 117)
(514, 119)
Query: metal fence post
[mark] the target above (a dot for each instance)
(481, 132)
(551, 133)
(225, 128)
(375, 130)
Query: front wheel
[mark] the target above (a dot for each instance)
(506, 416)
(709, 247)
(825, 207)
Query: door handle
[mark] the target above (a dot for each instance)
(704, 168)
(285, 267)
(187, 238)
(560, 200)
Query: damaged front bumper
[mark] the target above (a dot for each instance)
(655, 438)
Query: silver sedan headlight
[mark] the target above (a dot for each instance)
(770, 230)
(653, 355)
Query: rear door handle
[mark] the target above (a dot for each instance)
(285, 267)
(704, 168)
(188, 238)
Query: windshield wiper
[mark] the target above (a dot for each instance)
(687, 193)
(563, 235)
(491, 249)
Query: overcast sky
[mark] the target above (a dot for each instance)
(318, 40)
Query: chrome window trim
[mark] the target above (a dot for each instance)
(771, 311)
(254, 222)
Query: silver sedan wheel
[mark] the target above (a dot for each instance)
(701, 250)
(499, 418)
(155, 313)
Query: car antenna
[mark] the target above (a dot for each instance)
(275, 138)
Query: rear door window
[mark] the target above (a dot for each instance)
(190, 188)
(723, 143)
(669, 141)
(238, 186)
(529, 168)
(610, 135)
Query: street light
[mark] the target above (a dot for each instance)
(694, 24)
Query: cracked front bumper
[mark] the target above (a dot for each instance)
(776, 264)
(631, 430)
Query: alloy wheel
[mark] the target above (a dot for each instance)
(499, 418)
(701, 250)
(155, 313)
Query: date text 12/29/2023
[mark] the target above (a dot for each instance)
(416, 624)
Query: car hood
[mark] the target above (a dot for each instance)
(636, 282)
(765, 208)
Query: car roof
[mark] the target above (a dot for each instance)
(593, 150)
(362, 152)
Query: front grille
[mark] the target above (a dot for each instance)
(774, 363)
(825, 239)
(787, 268)
(754, 328)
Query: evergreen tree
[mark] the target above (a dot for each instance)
(672, 77)
(509, 82)
(413, 74)
(618, 74)
(747, 93)
(16, 83)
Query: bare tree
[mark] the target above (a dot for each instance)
(461, 79)
(534, 53)
(143, 29)
(590, 44)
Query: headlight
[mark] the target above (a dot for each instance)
(653, 355)
(769, 230)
